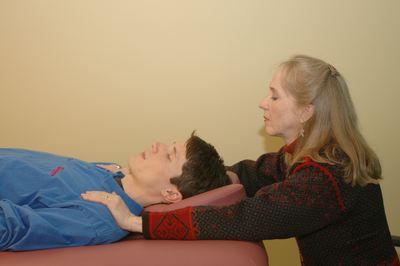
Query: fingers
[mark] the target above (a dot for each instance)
(105, 166)
(121, 213)
(98, 196)
(111, 167)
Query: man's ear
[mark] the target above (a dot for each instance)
(171, 195)
(307, 113)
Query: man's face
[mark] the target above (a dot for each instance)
(153, 168)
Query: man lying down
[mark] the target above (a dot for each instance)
(40, 193)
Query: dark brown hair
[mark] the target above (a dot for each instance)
(203, 171)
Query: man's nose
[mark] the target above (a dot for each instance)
(156, 147)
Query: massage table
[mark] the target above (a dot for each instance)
(135, 250)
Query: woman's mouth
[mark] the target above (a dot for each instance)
(266, 119)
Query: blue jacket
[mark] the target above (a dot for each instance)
(41, 205)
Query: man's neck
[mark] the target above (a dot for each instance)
(137, 193)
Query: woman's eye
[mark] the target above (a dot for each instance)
(274, 98)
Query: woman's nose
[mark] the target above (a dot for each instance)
(263, 104)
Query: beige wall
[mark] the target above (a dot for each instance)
(100, 80)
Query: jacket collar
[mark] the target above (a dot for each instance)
(290, 148)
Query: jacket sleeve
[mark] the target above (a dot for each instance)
(305, 201)
(254, 175)
(24, 228)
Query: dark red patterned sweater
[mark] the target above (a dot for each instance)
(334, 223)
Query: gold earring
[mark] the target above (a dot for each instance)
(302, 132)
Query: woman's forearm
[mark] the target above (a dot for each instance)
(137, 224)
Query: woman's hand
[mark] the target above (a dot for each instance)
(121, 213)
(114, 168)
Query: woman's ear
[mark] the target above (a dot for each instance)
(171, 196)
(307, 113)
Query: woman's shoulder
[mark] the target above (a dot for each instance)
(336, 155)
(332, 162)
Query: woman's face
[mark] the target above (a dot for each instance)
(281, 115)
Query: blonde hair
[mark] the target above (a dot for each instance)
(334, 123)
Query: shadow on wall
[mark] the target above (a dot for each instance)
(271, 143)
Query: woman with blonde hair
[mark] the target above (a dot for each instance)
(322, 187)
(334, 124)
